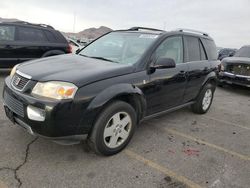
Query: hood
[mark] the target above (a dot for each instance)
(238, 60)
(73, 68)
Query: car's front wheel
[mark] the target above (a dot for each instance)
(113, 128)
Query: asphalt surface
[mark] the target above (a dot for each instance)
(180, 149)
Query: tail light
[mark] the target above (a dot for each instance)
(69, 49)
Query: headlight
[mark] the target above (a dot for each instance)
(55, 90)
(13, 71)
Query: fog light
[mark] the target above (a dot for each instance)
(36, 114)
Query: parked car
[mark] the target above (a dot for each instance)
(113, 84)
(74, 45)
(226, 52)
(22, 41)
(236, 69)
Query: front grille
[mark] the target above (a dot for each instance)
(13, 104)
(240, 69)
(19, 82)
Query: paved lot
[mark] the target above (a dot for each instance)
(180, 149)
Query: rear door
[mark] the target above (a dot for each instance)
(7, 46)
(198, 66)
(32, 42)
(166, 86)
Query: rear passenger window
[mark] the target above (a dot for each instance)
(31, 34)
(202, 52)
(192, 48)
(210, 48)
(50, 36)
(7, 33)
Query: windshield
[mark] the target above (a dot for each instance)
(243, 52)
(120, 47)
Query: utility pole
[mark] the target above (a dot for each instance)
(74, 23)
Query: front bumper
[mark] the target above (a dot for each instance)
(62, 118)
(226, 77)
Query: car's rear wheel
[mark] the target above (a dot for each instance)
(204, 100)
(113, 129)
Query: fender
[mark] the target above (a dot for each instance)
(104, 97)
(52, 52)
(211, 76)
(115, 91)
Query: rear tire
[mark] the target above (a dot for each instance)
(113, 128)
(204, 99)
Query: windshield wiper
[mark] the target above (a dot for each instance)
(103, 58)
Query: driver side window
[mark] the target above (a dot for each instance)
(172, 48)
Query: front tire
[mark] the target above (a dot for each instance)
(204, 99)
(113, 129)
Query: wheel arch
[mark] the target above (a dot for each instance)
(123, 92)
(210, 78)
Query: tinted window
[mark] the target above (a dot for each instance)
(202, 52)
(50, 36)
(192, 48)
(59, 37)
(31, 34)
(210, 48)
(7, 33)
(171, 48)
(243, 52)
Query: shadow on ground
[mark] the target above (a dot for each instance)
(236, 89)
(4, 73)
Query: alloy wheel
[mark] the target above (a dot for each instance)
(117, 130)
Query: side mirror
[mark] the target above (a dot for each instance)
(164, 63)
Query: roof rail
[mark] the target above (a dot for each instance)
(192, 31)
(144, 28)
(27, 23)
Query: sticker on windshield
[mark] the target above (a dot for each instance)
(148, 36)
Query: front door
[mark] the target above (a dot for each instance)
(167, 86)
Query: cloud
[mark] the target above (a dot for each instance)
(226, 20)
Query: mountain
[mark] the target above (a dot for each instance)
(8, 19)
(90, 33)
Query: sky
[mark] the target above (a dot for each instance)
(227, 21)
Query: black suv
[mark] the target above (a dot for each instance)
(22, 41)
(111, 85)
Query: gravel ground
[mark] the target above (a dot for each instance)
(180, 149)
